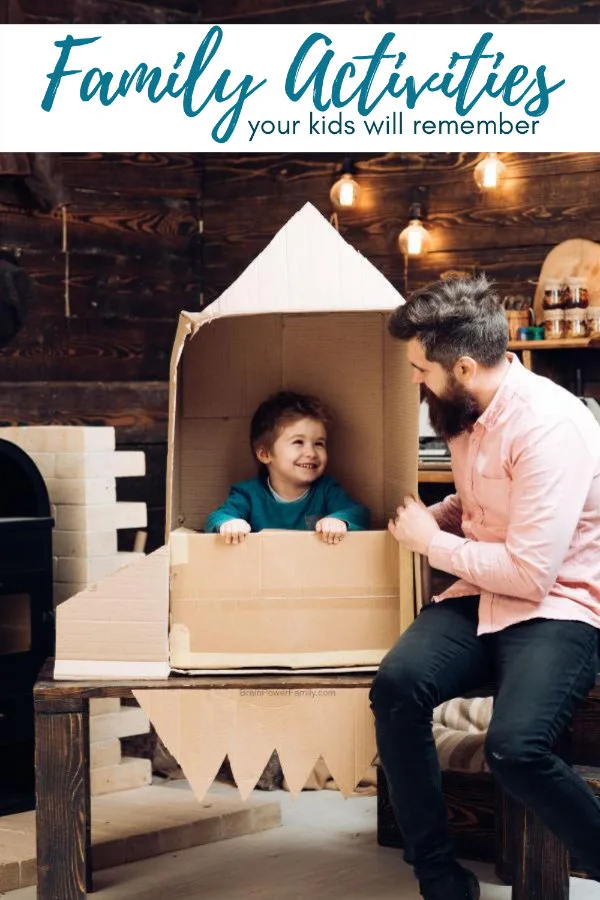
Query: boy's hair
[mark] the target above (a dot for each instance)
(454, 318)
(279, 410)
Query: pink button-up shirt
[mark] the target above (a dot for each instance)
(523, 529)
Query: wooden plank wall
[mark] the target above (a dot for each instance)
(301, 11)
(96, 345)
(136, 260)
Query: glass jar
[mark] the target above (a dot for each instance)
(593, 318)
(554, 324)
(575, 293)
(575, 323)
(553, 298)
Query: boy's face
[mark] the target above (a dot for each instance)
(298, 455)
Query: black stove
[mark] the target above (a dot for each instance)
(26, 617)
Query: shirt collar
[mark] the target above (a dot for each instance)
(281, 499)
(506, 389)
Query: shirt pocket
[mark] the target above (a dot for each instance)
(492, 495)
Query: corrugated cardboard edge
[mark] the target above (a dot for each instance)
(81, 633)
(408, 562)
(201, 727)
(280, 670)
(185, 327)
(181, 656)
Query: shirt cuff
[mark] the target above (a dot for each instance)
(441, 549)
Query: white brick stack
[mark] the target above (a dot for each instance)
(109, 771)
(80, 466)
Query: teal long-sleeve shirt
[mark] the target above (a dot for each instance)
(253, 501)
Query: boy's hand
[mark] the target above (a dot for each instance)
(331, 530)
(234, 531)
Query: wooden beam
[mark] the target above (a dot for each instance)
(14, 164)
(138, 411)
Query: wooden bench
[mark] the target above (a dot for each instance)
(63, 768)
(529, 856)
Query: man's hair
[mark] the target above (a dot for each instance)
(280, 410)
(454, 318)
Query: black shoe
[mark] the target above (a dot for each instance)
(462, 885)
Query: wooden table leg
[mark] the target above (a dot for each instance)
(506, 835)
(62, 798)
(530, 856)
(542, 866)
(89, 880)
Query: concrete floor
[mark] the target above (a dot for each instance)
(325, 850)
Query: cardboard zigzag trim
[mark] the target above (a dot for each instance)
(201, 727)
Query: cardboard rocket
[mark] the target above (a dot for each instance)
(308, 314)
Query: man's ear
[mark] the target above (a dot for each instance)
(263, 455)
(465, 369)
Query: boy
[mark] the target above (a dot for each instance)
(289, 439)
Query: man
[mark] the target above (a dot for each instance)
(522, 534)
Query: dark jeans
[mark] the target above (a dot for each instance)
(540, 669)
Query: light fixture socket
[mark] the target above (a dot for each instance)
(419, 198)
(347, 166)
(414, 240)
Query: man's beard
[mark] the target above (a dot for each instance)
(455, 411)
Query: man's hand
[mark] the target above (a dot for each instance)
(331, 530)
(413, 526)
(234, 531)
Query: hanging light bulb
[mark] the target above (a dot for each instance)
(488, 172)
(345, 192)
(415, 240)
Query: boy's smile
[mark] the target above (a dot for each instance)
(297, 458)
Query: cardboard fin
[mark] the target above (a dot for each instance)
(348, 759)
(124, 616)
(201, 727)
(296, 765)
(248, 756)
(267, 720)
(334, 725)
(193, 726)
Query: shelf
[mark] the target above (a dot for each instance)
(435, 476)
(573, 343)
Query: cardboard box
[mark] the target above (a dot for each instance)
(287, 599)
(309, 314)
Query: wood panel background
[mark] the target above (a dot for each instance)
(301, 11)
(136, 258)
(96, 345)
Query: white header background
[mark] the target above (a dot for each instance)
(133, 123)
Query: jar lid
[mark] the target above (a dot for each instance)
(575, 314)
(554, 315)
(551, 283)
